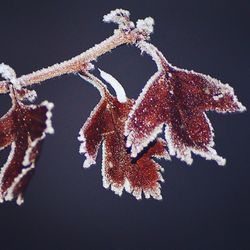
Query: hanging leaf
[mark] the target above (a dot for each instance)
(23, 127)
(106, 126)
(178, 98)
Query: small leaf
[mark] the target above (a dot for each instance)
(23, 127)
(106, 125)
(178, 98)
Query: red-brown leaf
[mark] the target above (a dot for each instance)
(106, 125)
(23, 127)
(178, 98)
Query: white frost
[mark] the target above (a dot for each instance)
(105, 180)
(4, 168)
(119, 90)
(90, 159)
(31, 95)
(137, 145)
(48, 130)
(114, 14)
(146, 25)
(121, 17)
(152, 51)
(10, 195)
(9, 74)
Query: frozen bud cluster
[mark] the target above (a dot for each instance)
(121, 17)
(145, 27)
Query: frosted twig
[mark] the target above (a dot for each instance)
(126, 34)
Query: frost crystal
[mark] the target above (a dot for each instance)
(120, 92)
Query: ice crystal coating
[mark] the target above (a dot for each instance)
(26, 94)
(7, 72)
(23, 127)
(119, 90)
(106, 126)
(145, 27)
(10, 75)
(178, 98)
(121, 17)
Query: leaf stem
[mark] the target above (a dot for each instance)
(102, 88)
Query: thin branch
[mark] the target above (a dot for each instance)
(127, 33)
(74, 65)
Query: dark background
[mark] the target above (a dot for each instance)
(204, 206)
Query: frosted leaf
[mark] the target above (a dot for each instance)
(106, 126)
(23, 127)
(178, 98)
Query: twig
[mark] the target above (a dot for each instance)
(75, 64)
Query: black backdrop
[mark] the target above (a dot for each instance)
(204, 206)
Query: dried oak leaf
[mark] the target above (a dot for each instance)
(106, 125)
(178, 98)
(23, 127)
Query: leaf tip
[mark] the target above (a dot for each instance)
(19, 200)
(89, 161)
